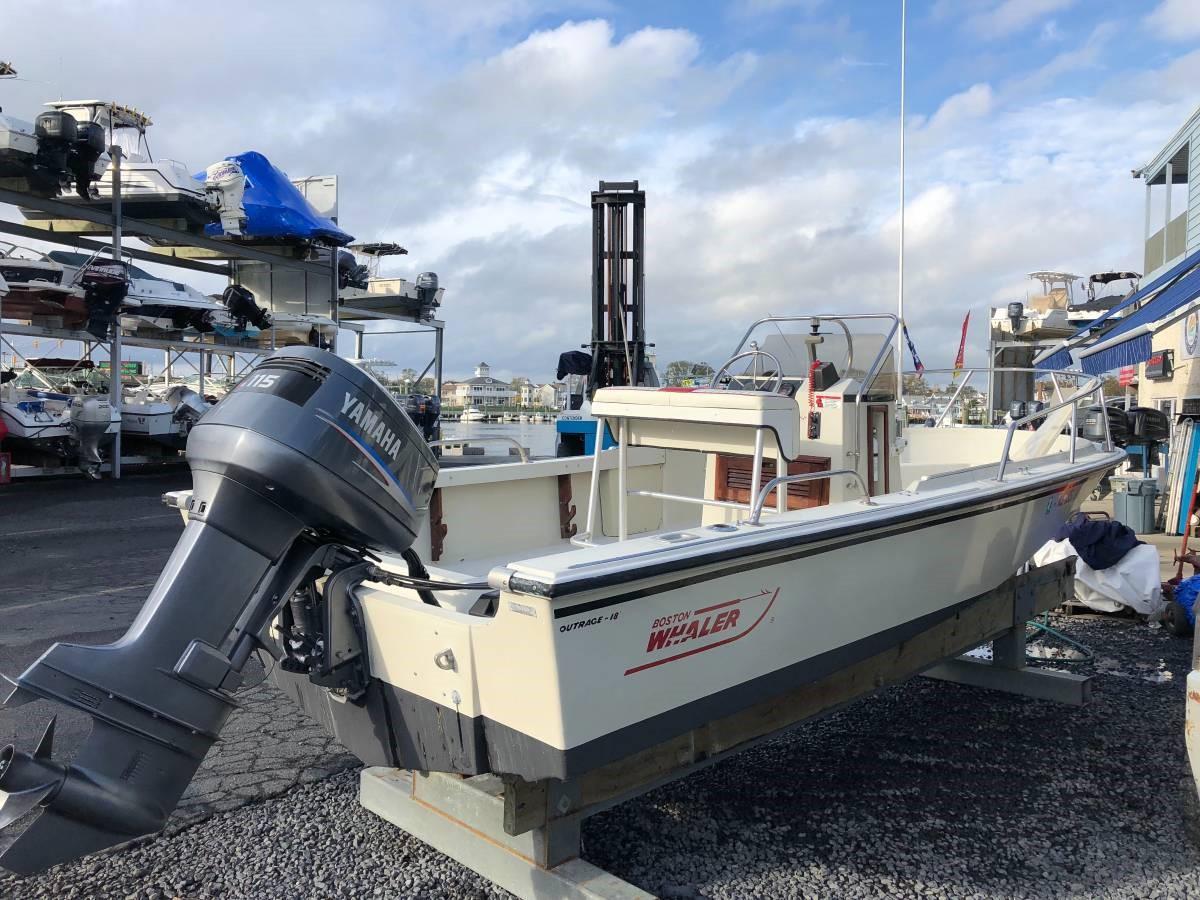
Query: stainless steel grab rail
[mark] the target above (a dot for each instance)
(770, 486)
(521, 451)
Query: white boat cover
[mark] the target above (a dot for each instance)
(1134, 581)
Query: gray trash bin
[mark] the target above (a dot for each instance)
(1133, 503)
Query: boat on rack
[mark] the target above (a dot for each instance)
(39, 292)
(272, 208)
(152, 306)
(1105, 290)
(57, 408)
(369, 291)
(161, 413)
(159, 189)
(47, 155)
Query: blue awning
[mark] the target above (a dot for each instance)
(1162, 281)
(1060, 360)
(1126, 353)
(1129, 342)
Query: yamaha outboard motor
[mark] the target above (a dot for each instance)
(85, 153)
(303, 469)
(427, 293)
(56, 133)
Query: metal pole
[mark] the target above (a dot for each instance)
(900, 290)
(756, 466)
(1170, 176)
(114, 355)
(358, 345)
(622, 478)
(437, 369)
(594, 489)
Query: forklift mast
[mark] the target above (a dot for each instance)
(618, 287)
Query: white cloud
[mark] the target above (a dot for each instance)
(1175, 20)
(972, 103)
(1088, 55)
(1011, 16)
(483, 170)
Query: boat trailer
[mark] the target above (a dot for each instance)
(526, 836)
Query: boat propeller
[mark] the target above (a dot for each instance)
(26, 781)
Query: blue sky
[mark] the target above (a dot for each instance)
(764, 132)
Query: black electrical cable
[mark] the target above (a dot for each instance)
(397, 580)
(416, 569)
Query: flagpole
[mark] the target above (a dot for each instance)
(900, 290)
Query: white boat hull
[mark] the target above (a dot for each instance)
(46, 431)
(620, 661)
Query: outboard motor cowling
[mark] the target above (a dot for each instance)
(92, 419)
(427, 293)
(84, 158)
(242, 308)
(304, 467)
(56, 132)
(224, 191)
(425, 410)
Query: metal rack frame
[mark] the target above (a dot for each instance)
(176, 248)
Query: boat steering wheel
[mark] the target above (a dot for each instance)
(751, 377)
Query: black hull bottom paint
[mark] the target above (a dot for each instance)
(399, 729)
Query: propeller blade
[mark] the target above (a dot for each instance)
(46, 744)
(13, 694)
(18, 803)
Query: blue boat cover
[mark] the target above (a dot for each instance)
(275, 208)
(1136, 348)
(1062, 358)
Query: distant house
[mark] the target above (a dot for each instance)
(553, 395)
(482, 390)
(527, 393)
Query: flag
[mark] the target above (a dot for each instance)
(962, 346)
(917, 364)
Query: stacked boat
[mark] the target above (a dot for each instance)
(162, 414)
(57, 409)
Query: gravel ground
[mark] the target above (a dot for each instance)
(926, 790)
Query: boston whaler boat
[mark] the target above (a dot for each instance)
(483, 633)
(546, 620)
